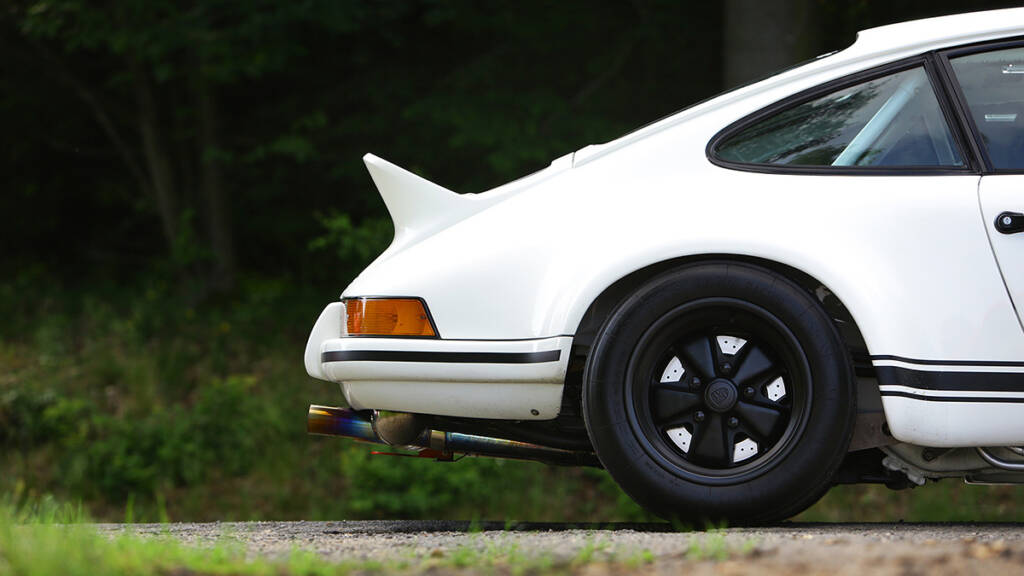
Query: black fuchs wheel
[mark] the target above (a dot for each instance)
(720, 392)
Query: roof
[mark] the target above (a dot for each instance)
(872, 45)
(931, 33)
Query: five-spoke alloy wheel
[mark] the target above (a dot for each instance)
(720, 391)
(714, 393)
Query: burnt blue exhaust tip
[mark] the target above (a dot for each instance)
(328, 421)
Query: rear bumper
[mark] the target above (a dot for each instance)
(502, 379)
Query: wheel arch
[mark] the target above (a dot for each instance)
(870, 425)
(612, 295)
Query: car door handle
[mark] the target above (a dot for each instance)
(1010, 222)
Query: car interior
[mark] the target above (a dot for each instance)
(993, 85)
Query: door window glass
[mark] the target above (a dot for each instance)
(993, 85)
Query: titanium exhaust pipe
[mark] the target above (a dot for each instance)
(408, 431)
(397, 428)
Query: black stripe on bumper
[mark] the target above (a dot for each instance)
(1000, 363)
(913, 396)
(945, 386)
(951, 381)
(450, 357)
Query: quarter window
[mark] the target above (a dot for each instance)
(891, 121)
(993, 85)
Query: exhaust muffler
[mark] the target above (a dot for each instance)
(409, 431)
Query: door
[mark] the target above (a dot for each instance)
(991, 86)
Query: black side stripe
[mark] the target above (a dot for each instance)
(947, 362)
(997, 399)
(954, 381)
(451, 357)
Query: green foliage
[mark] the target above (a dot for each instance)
(23, 418)
(946, 501)
(106, 455)
(390, 487)
(136, 400)
(221, 433)
(349, 243)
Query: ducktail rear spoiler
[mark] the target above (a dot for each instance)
(418, 207)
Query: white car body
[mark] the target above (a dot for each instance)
(932, 288)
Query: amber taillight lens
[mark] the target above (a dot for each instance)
(387, 317)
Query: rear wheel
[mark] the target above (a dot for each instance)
(720, 392)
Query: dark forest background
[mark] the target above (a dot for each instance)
(183, 193)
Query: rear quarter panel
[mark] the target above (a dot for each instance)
(908, 255)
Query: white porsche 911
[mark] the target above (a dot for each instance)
(814, 279)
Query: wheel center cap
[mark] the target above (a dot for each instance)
(721, 395)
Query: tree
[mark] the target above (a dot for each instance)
(762, 37)
(171, 61)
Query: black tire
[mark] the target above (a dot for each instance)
(778, 390)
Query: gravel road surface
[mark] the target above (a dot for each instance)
(424, 546)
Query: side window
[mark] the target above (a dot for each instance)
(993, 85)
(892, 121)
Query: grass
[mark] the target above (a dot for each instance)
(46, 537)
(43, 537)
(639, 558)
(44, 549)
(491, 556)
(712, 544)
(591, 548)
(32, 544)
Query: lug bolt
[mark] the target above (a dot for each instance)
(748, 392)
(699, 416)
(733, 422)
(696, 381)
(727, 368)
